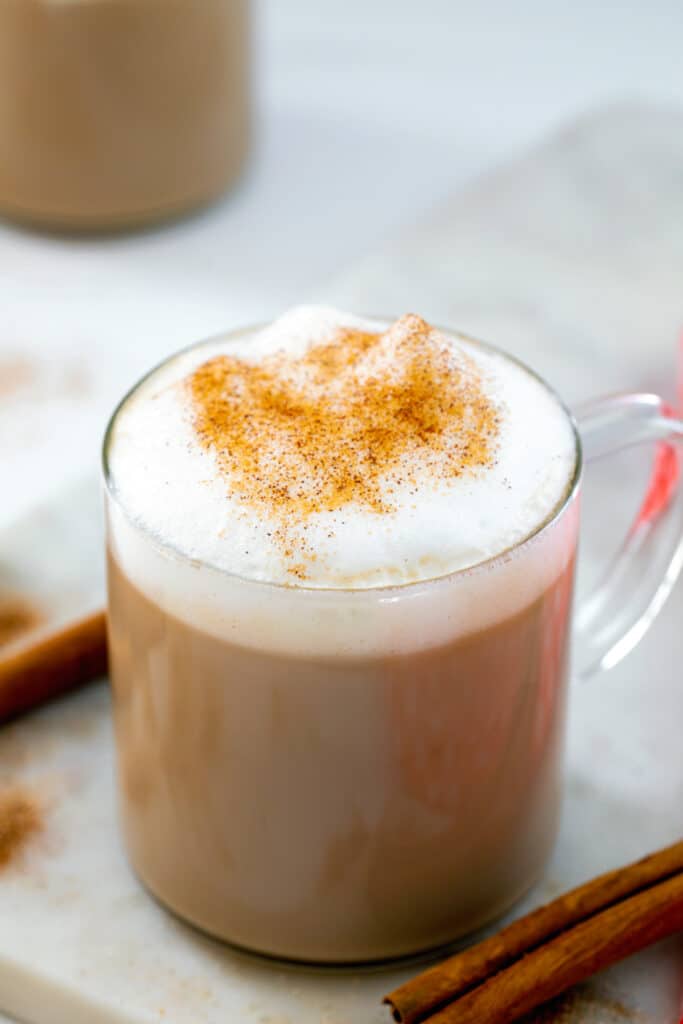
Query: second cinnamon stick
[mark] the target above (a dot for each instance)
(418, 998)
(572, 956)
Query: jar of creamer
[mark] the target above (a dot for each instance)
(115, 113)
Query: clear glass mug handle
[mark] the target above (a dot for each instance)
(621, 608)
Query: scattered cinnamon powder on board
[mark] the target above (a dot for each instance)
(35, 380)
(353, 420)
(16, 374)
(75, 381)
(20, 820)
(17, 617)
(585, 1006)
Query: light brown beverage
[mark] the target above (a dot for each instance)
(338, 809)
(350, 771)
(118, 112)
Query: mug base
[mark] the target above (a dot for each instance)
(423, 955)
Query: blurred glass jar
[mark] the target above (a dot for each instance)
(120, 112)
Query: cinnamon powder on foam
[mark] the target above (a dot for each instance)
(353, 420)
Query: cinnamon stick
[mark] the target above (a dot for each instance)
(60, 661)
(572, 956)
(422, 996)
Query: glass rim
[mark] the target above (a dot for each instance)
(382, 589)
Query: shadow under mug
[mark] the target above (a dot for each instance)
(341, 776)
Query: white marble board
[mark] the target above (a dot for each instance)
(573, 258)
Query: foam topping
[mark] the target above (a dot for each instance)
(331, 451)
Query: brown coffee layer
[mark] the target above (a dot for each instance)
(338, 808)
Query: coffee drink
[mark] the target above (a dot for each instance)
(340, 572)
(120, 112)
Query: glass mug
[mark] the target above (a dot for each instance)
(355, 775)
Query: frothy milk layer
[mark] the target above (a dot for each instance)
(317, 493)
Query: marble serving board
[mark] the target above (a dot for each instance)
(572, 258)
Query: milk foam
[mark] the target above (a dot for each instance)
(173, 488)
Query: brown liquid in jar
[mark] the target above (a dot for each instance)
(115, 113)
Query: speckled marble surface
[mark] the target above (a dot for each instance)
(573, 258)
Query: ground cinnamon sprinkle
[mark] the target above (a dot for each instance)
(352, 420)
(20, 819)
